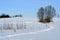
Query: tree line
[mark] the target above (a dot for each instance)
(8, 16)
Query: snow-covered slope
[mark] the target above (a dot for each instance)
(34, 30)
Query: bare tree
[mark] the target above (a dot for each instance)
(41, 14)
(49, 13)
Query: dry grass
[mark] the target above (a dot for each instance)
(10, 27)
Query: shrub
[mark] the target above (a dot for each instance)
(47, 19)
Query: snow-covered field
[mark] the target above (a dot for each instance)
(31, 29)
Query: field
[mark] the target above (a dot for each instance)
(29, 29)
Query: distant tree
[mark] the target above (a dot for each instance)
(58, 15)
(18, 15)
(50, 12)
(21, 15)
(41, 14)
(4, 16)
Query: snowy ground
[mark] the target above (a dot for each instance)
(34, 31)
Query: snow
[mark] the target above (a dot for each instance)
(33, 31)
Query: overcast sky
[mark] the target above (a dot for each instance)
(28, 8)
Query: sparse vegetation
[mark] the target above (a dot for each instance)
(11, 27)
